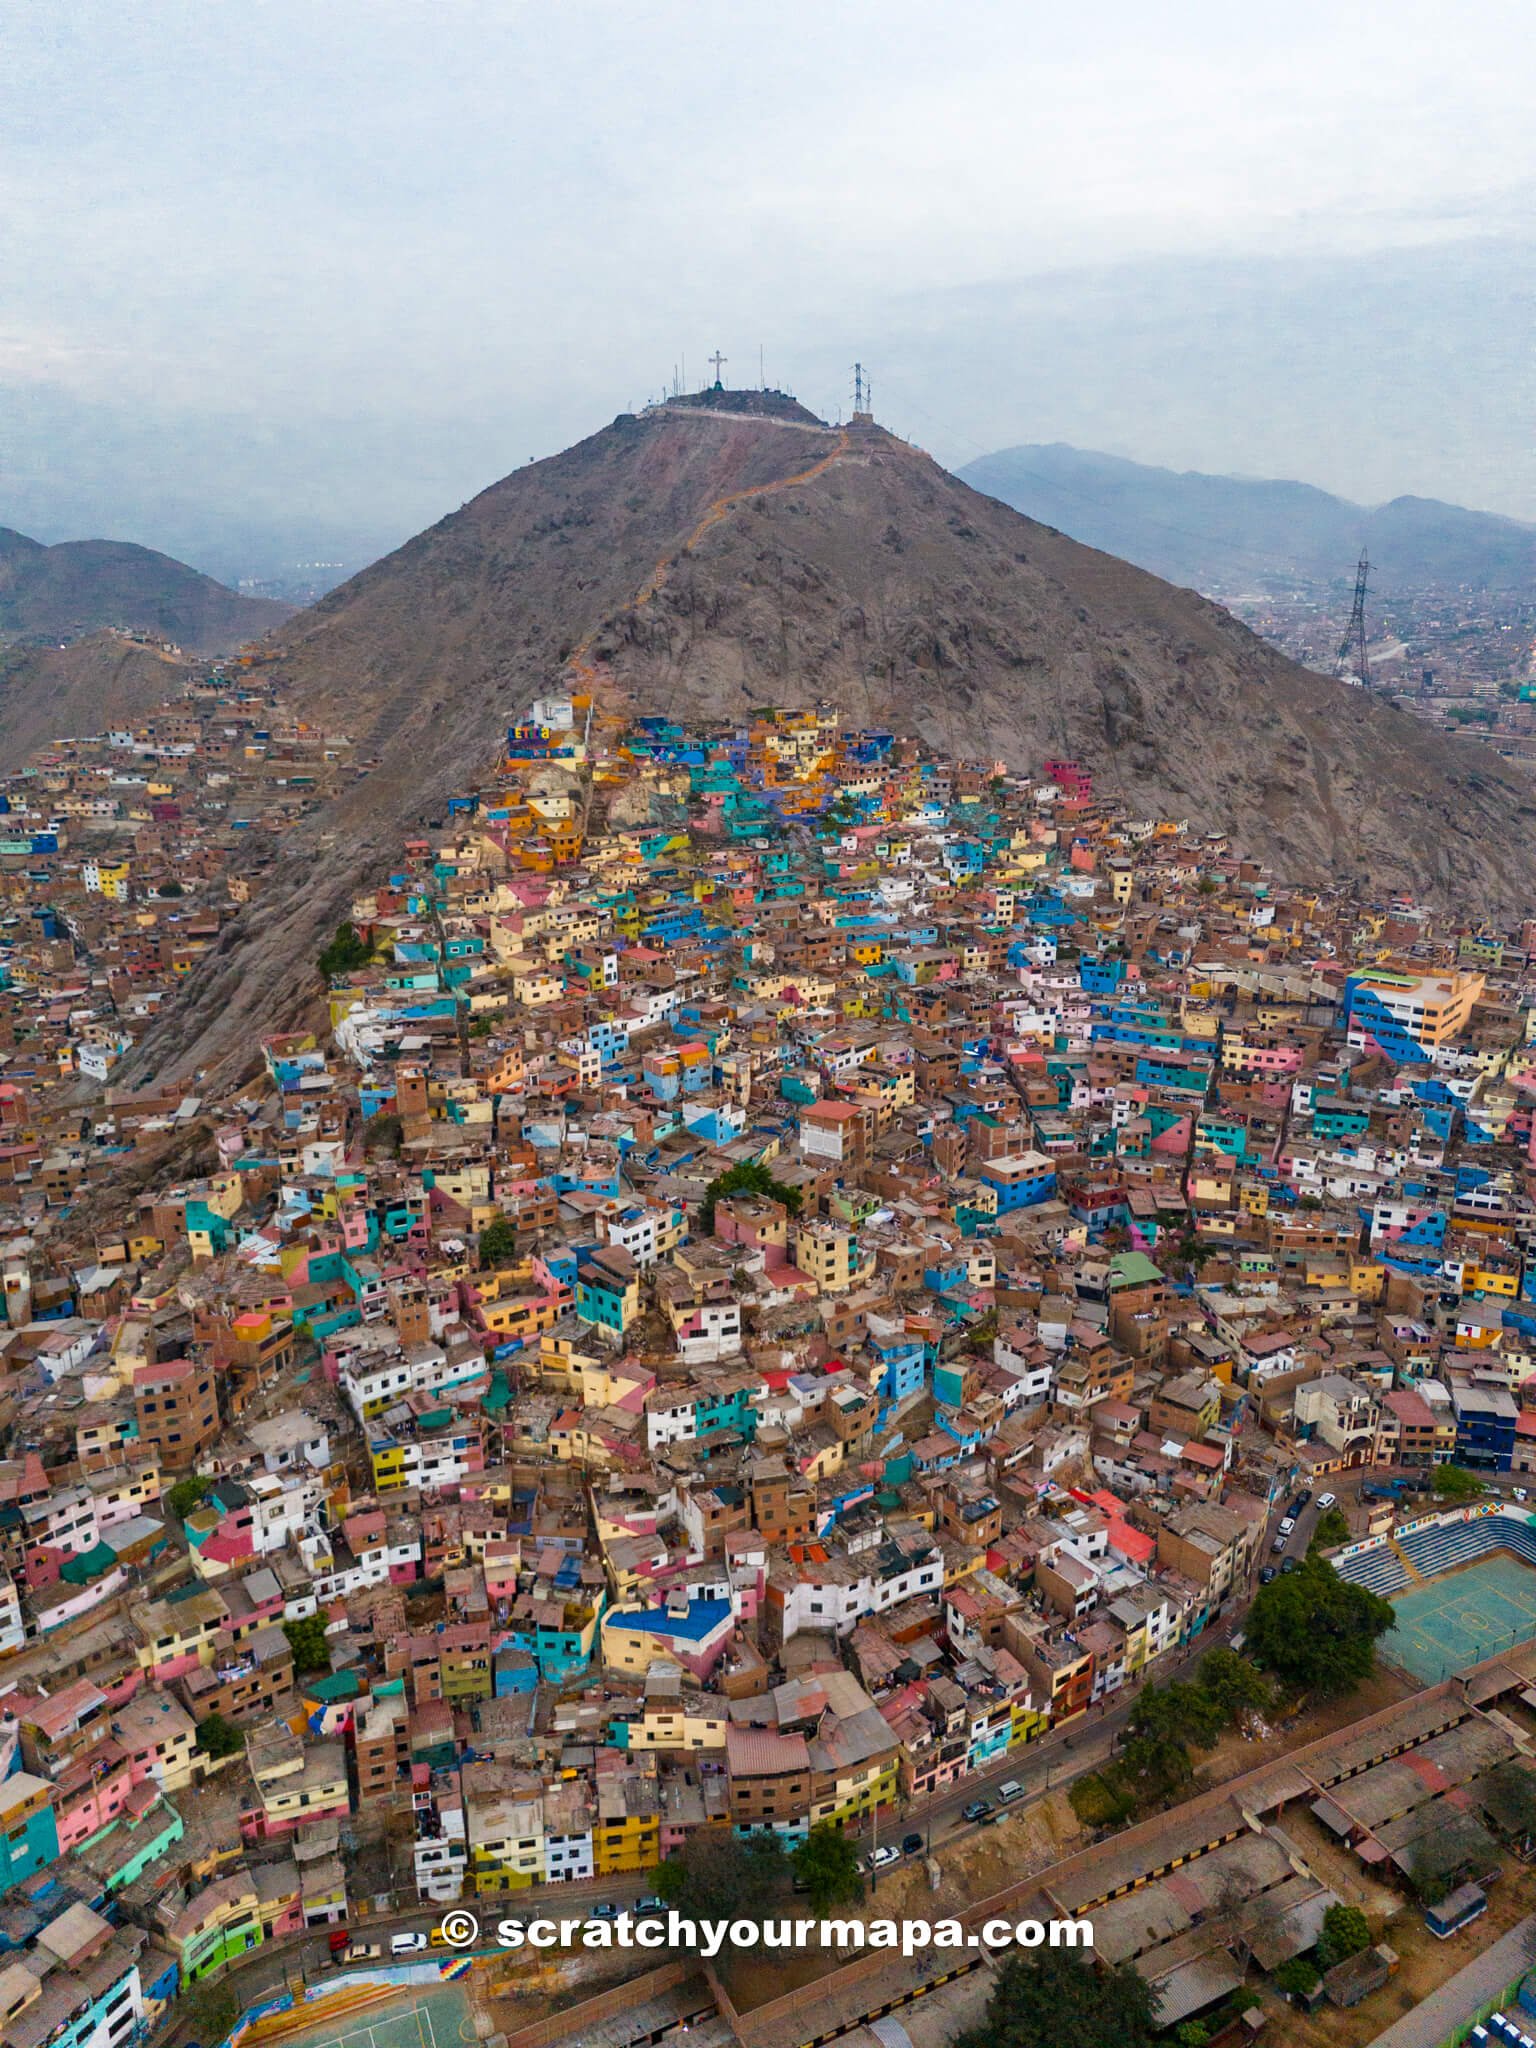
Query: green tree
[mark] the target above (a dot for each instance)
(217, 1737)
(170, 889)
(718, 1876)
(1331, 1530)
(1186, 1712)
(1454, 1482)
(827, 1864)
(213, 2010)
(1154, 1764)
(1192, 2034)
(179, 1500)
(1508, 1796)
(1297, 1978)
(749, 1177)
(1445, 1857)
(1315, 1631)
(979, 1336)
(1100, 1799)
(498, 1242)
(1154, 1760)
(1048, 1997)
(383, 1133)
(307, 1641)
(346, 953)
(1346, 1931)
(1236, 1686)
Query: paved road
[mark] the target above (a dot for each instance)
(1457, 2003)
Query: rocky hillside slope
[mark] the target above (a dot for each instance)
(49, 693)
(77, 586)
(704, 561)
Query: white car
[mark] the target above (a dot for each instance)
(881, 1859)
(1287, 1525)
(1327, 1500)
(407, 1944)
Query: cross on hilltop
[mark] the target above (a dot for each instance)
(718, 361)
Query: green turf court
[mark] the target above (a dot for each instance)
(426, 2016)
(1473, 1614)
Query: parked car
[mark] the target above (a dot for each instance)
(1292, 1564)
(1327, 1500)
(977, 1810)
(882, 1859)
(338, 1939)
(1287, 1525)
(407, 1944)
(362, 1952)
(649, 1905)
(1009, 1790)
(1280, 1541)
(1301, 1500)
(605, 1911)
(911, 1845)
(1266, 1573)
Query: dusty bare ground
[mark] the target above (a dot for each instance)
(1235, 1753)
(527, 1991)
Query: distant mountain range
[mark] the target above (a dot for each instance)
(1226, 533)
(79, 586)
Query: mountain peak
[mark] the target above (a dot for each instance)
(704, 559)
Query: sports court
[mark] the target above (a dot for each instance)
(436, 2016)
(1463, 1618)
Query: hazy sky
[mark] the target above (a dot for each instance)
(288, 275)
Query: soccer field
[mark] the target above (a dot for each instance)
(424, 2019)
(1462, 1619)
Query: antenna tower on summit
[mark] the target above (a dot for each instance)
(863, 391)
(1353, 645)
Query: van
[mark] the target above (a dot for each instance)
(1009, 1790)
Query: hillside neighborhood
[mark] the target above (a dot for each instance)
(783, 1271)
